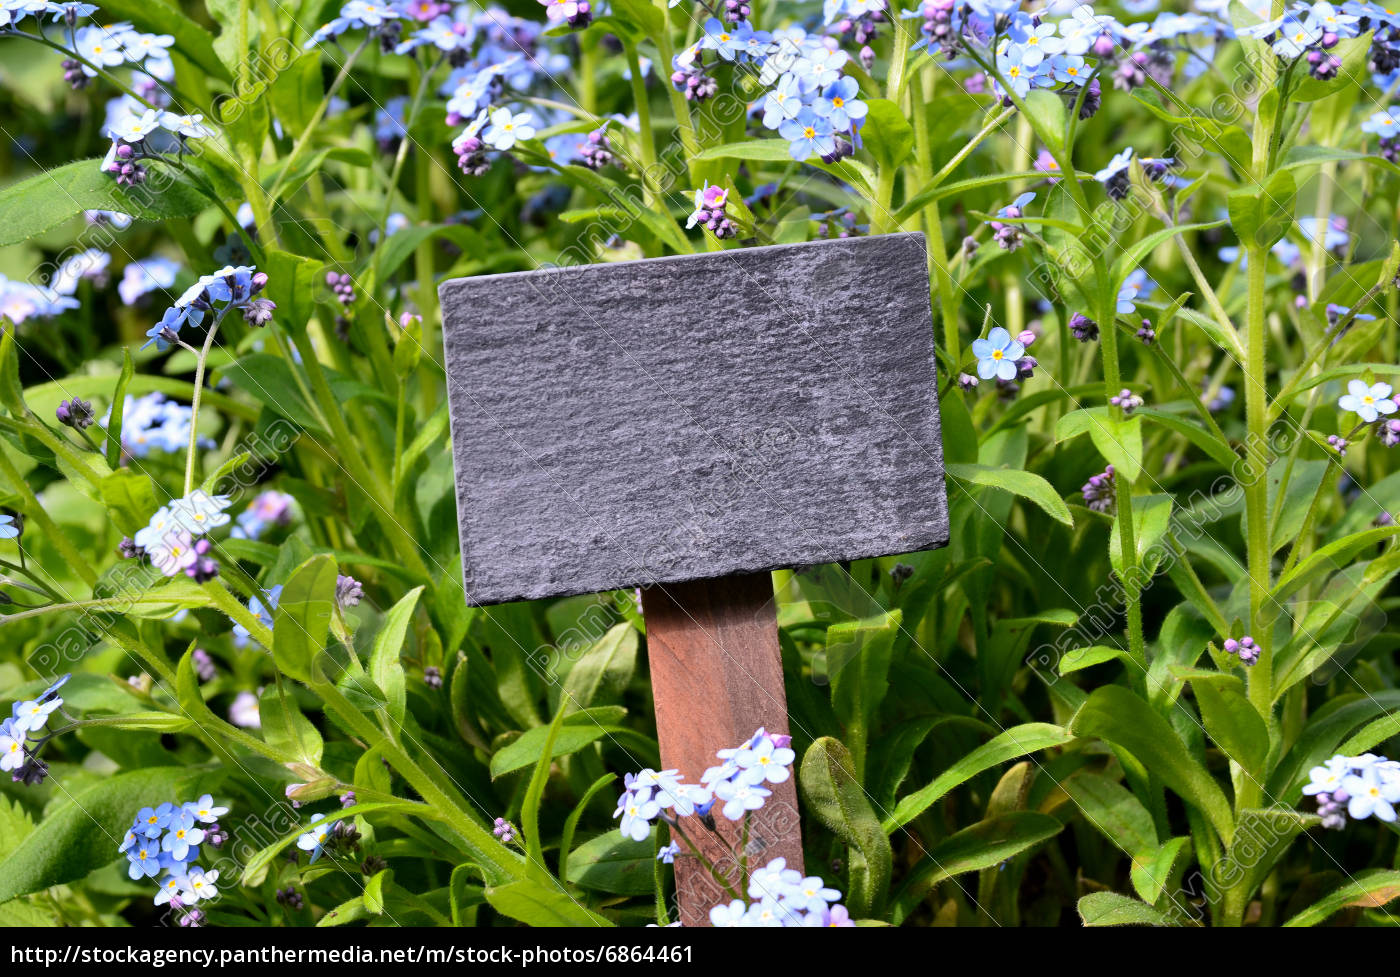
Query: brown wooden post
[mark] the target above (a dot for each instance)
(717, 675)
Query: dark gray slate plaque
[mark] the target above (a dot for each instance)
(690, 417)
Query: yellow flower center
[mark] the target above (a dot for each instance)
(996, 354)
(838, 101)
(809, 132)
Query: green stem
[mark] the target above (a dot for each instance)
(485, 847)
(1260, 676)
(1127, 534)
(381, 502)
(689, 140)
(195, 397)
(648, 137)
(304, 140)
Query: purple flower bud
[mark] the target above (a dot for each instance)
(1100, 491)
(348, 591)
(75, 413)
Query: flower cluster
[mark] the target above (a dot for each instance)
(1244, 647)
(735, 784)
(325, 836)
(136, 139)
(1100, 491)
(227, 289)
(381, 19)
(171, 539)
(153, 423)
(18, 756)
(710, 202)
(1126, 400)
(782, 896)
(1008, 235)
(1356, 787)
(165, 841)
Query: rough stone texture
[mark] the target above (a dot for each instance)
(691, 417)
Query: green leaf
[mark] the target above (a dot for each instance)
(292, 282)
(612, 863)
(836, 799)
(1018, 741)
(130, 498)
(1143, 247)
(114, 422)
(858, 662)
(1218, 450)
(11, 392)
(643, 15)
(1113, 811)
(538, 904)
(1028, 485)
(1155, 868)
(937, 191)
(1231, 719)
(256, 867)
(983, 845)
(401, 245)
(1260, 841)
(82, 835)
(534, 794)
(303, 617)
(1119, 716)
(1151, 519)
(603, 670)
(296, 91)
(578, 730)
(285, 728)
(1048, 117)
(1113, 909)
(1118, 441)
(374, 891)
(385, 668)
(1371, 890)
(350, 911)
(887, 132)
(1263, 216)
(42, 202)
(1080, 658)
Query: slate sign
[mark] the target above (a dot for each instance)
(692, 417)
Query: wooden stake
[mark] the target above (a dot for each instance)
(717, 676)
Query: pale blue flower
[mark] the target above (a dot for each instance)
(840, 104)
(317, 835)
(1385, 124)
(1367, 401)
(508, 128)
(997, 355)
(1371, 793)
(740, 798)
